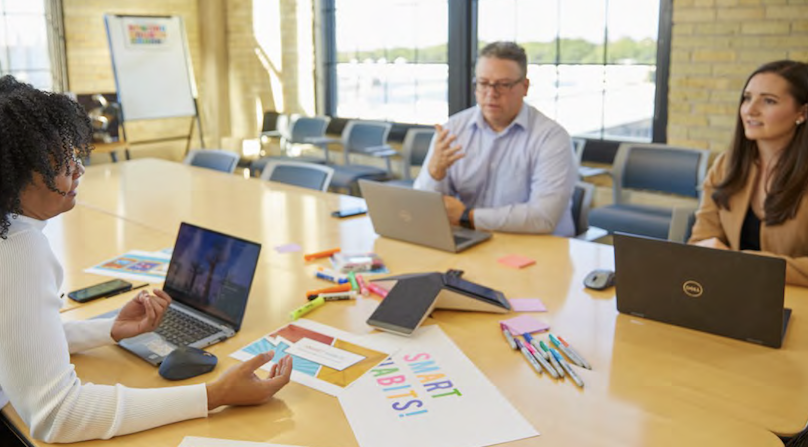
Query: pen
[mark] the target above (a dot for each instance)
(329, 277)
(527, 355)
(567, 368)
(508, 336)
(373, 288)
(306, 308)
(363, 288)
(583, 363)
(552, 359)
(338, 296)
(566, 351)
(540, 358)
(333, 273)
(311, 294)
(320, 254)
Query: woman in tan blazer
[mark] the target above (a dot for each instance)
(755, 194)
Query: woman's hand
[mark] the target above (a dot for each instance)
(239, 385)
(140, 315)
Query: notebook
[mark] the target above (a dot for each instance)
(723, 292)
(209, 279)
(415, 216)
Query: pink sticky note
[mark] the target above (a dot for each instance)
(524, 324)
(516, 261)
(287, 248)
(527, 305)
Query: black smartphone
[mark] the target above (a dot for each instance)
(348, 212)
(108, 288)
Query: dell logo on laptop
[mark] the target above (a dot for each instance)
(405, 216)
(692, 289)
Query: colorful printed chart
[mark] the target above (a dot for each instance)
(324, 358)
(429, 394)
(146, 34)
(143, 266)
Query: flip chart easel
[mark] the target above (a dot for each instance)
(153, 71)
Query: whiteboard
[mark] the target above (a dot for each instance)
(152, 66)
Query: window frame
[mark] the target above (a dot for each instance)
(462, 48)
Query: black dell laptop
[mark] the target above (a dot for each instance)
(723, 292)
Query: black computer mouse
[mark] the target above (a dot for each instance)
(186, 362)
(599, 279)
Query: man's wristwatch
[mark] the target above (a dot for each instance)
(465, 220)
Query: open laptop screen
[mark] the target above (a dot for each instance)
(212, 272)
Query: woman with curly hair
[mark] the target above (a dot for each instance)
(754, 195)
(43, 137)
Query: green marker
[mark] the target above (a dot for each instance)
(306, 308)
(352, 280)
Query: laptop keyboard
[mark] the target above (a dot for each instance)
(182, 329)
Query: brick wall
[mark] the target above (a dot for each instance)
(90, 68)
(271, 63)
(716, 44)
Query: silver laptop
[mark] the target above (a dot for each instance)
(415, 216)
(729, 293)
(209, 279)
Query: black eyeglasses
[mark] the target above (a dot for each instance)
(498, 87)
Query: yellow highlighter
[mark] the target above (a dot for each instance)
(306, 308)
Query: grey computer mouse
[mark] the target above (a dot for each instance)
(186, 362)
(599, 279)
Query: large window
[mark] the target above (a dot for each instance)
(593, 65)
(24, 43)
(391, 60)
(593, 72)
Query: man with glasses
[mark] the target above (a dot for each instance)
(502, 165)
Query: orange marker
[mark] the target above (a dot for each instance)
(340, 288)
(321, 254)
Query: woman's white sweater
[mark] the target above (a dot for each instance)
(36, 375)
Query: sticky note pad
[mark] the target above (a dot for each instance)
(287, 248)
(524, 324)
(516, 261)
(527, 305)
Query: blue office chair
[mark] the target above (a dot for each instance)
(581, 203)
(413, 150)
(579, 146)
(297, 130)
(216, 159)
(650, 167)
(682, 220)
(306, 175)
(367, 138)
(275, 126)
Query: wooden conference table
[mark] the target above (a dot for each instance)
(651, 384)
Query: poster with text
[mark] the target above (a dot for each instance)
(143, 266)
(429, 394)
(324, 358)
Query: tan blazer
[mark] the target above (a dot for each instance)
(788, 240)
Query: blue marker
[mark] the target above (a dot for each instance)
(567, 368)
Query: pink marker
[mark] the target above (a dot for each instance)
(363, 287)
(376, 289)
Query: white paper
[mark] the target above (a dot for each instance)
(324, 354)
(195, 441)
(135, 265)
(429, 394)
(311, 373)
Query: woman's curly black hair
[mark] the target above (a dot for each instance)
(39, 132)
